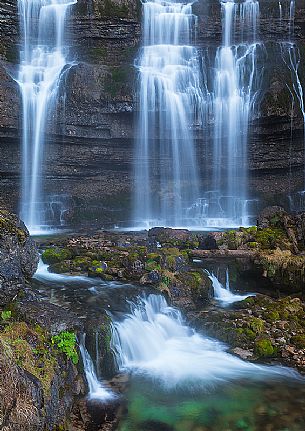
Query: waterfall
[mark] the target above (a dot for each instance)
(42, 61)
(153, 340)
(291, 56)
(224, 294)
(166, 179)
(96, 390)
(236, 86)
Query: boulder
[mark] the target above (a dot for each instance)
(18, 256)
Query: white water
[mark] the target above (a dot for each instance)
(236, 85)
(96, 390)
(94, 283)
(154, 340)
(166, 179)
(223, 294)
(42, 61)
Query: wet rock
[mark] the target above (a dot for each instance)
(242, 353)
(270, 217)
(173, 237)
(38, 380)
(53, 318)
(18, 256)
(259, 328)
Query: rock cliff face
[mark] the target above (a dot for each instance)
(90, 142)
(18, 256)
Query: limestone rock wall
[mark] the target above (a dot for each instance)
(90, 141)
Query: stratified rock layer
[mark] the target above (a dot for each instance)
(90, 140)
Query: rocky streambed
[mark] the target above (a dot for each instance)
(84, 281)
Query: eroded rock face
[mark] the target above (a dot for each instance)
(18, 256)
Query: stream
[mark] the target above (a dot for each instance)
(178, 379)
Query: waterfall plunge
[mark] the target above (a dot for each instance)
(153, 340)
(166, 179)
(42, 60)
(235, 89)
(96, 390)
(224, 294)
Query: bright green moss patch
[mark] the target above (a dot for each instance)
(55, 255)
(66, 343)
(264, 348)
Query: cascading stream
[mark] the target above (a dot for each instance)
(154, 341)
(96, 390)
(222, 293)
(166, 179)
(42, 61)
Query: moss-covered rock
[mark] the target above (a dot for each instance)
(55, 255)
(264, 348)
(38, 379)
(262, 326)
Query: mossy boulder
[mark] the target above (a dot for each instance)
(55, 255)
(264, 327)
(264, 348)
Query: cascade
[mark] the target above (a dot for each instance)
(236, 86)
(170, 102)
(153, 340)
(224, 294)
(43, 58)
(96, 390)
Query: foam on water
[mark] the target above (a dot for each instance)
(154, 340)
(224, 294)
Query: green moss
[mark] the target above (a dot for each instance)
(55, 255)
(119, 76)
(60, 267)
(252, 244)
(264, 348)
(197, 277)
(66, 342)
(245, 333)
(272, 316)
(270, 238)
(106, 333)
(299, 341)
(8, 226)
(172, 251)
(257, 325)
(154, 256)
(29, 349)
(152, 265)
(81, 262)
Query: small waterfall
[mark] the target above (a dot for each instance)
(236, 86)
(170, 99)
(224, 294)
(96, 390)
(153, 340)
(42, 61)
